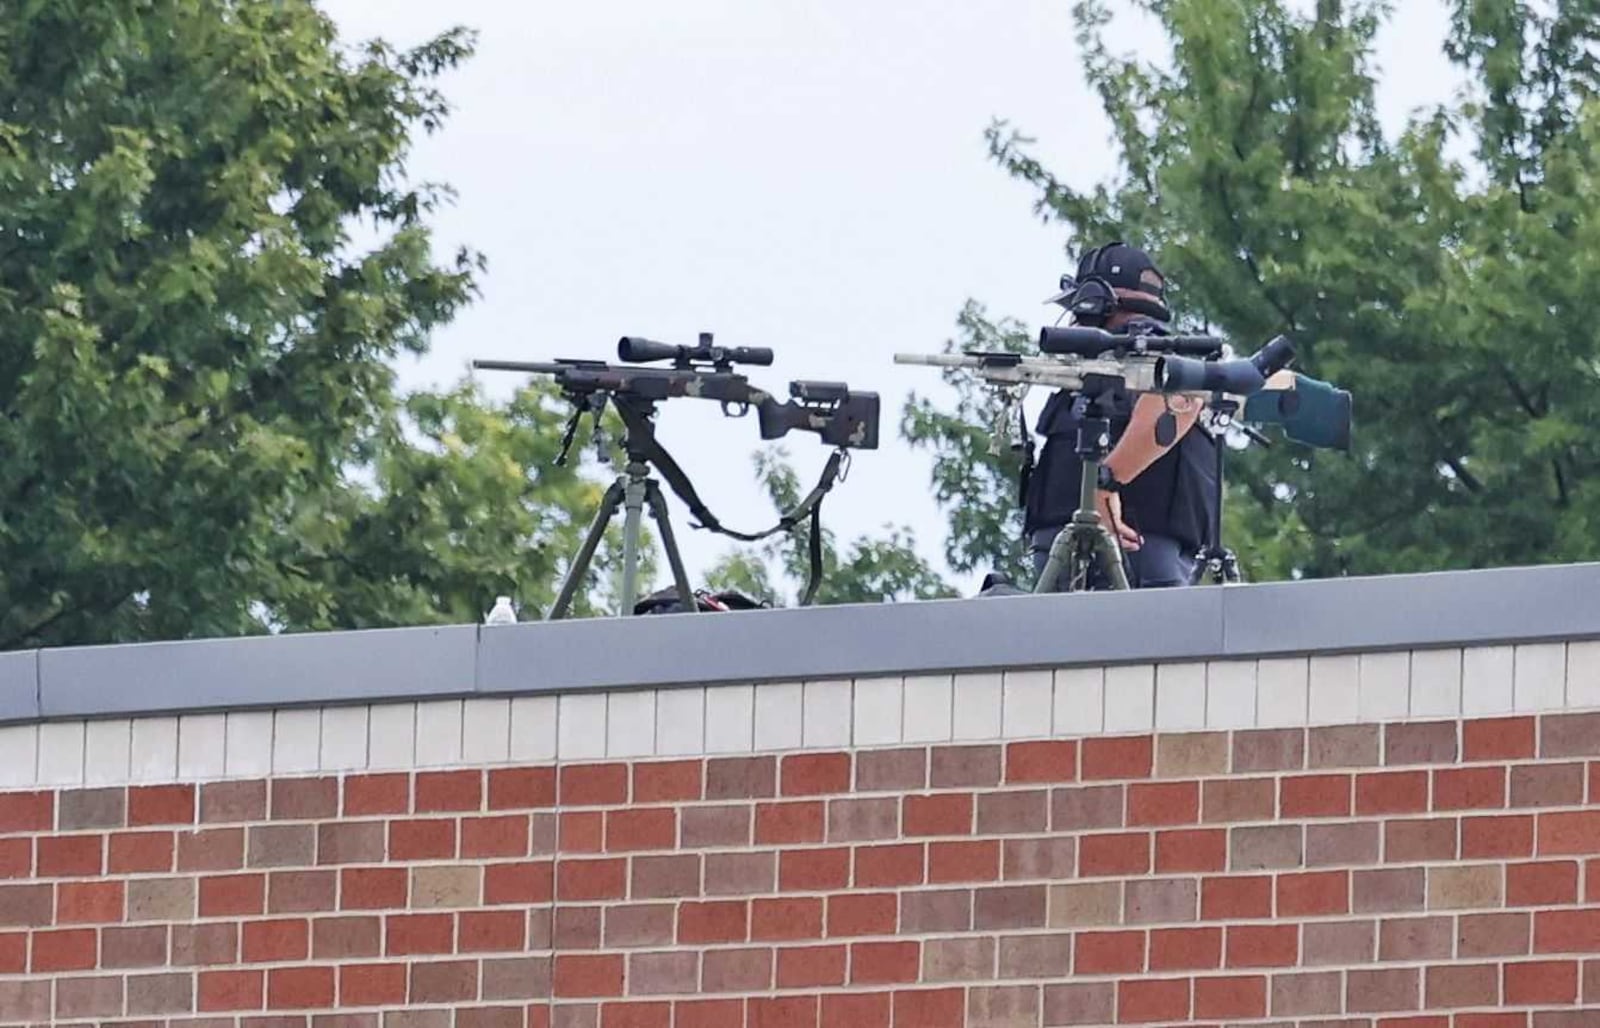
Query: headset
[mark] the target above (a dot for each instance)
(1090, 297)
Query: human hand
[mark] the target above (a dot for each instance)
(1110, 507)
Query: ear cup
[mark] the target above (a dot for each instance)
(1093, 300)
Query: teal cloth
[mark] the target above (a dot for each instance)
(1313, 412)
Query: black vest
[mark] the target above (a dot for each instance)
(1172, 497)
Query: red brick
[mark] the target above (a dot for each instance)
(941, 814)
(594, 785)
(1550, 883)
(233, 895)
(784, 919)
(375, 888)
(1263, 945)
(716, 826)
(300, 988)
(231, 990)
(741, 778)
(422, 840)
(1547, 785)
(813, 870)
(862, 914)
(412, 934)
(504, 835)
(1315, 796)
(633, 1015)
(1469, 788)
(815, 774)
(1541, 983)
(583, 832)
(1318, 892)
(22, 812)
(1052, 761)
(1013, 812)
(1410, 842)
(591, 879)
(89, 902)
(1569, 833)
(1238, 799)
(665, 877)
(977, 861)
(1185, 949)
(449, 791)
(1566, 931)
(371, 985)
(1142, 1001)
(1113, 758)
(70, 855)
(1227, 899)
(892, 771)
(1392, 792)
(1199, 849)
(233, 801)
(72, 949)
(1108, 953)
(14, 952)
(702, 1013)
(928, 1008)
(1120, 854)
(1496, 837)
(855, 1009)
(446, 981)
(1493, 935)
(587, 975)
(1163, 803)
(160, 805)
(215, 849)
(648, 828)
(1230, 997)
(714, 921)
(341, 938)
(265, 942)
(304, 799)
(1499, 738)
(887, 866)
(667, 781)
(1516, 1020)
(884, 963)
(16, 857)
(783, 823)
(809, 967)
(522, 788)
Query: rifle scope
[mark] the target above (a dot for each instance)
(1241, 376)
(638, 350)
(1082, 341)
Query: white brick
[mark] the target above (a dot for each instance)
(1385, 690)
(1025, 704)
(296, 740)
(1080, 705)
(1583, 674)
(202, 746)
(1230, 694)
(1539, 677)
(61, 753)
(928, 701)
(681, 722)
(1435, 683)
(19, 756)
(249, 744)
(155, 749)
(1283, 692)
(979, 699)
(1130, 698)
(779, 708)
(1486, 680)
(485, 731)
(107, 747)
(1180, 697)
(631, 724)
(533, 728)
(878, 711)
(1335, 690)
(581, 726)
(344, 739)
(439, 733)
(731, 718)
(392, 736)
(827, 714)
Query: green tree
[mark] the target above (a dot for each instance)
(201, 432)
(1448, 294)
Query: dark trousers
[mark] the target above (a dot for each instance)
(1160, 563)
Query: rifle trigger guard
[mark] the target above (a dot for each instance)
(728, 411)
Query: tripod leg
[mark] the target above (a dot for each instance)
(1109, 556)
(1060, 547)
(680, 577)
(633, 507)
(591, 542)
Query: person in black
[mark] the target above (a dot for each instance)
(1152, 496)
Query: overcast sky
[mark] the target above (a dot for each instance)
(808, 175)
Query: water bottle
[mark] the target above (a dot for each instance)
(502, 614)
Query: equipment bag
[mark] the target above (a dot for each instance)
(666, 602)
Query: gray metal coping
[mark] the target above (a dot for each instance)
(1484, 607)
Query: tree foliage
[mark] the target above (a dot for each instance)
(1446, 292)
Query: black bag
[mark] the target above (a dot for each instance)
(666, 602)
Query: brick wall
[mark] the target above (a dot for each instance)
(1436, 873)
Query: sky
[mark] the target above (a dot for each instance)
(806, 175)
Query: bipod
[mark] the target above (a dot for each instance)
(632, 491)
(1086, 541)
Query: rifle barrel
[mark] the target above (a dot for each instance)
(536, 367)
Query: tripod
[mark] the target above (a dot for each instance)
(1215, 560)
(632, 490)
(1085, 542)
